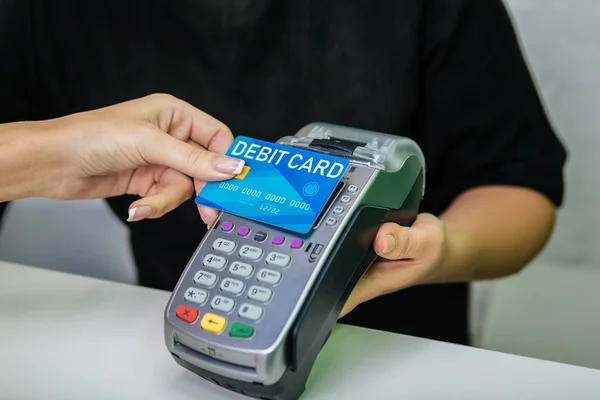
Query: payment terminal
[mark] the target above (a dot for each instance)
(256, 303)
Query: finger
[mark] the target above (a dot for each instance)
(207, 131)
(395, 242)
(367, 288)
(198, 185)
(208, 215)
(357, 297)
(184, 121)
(381, 278)
(171, 190)
(195, 161)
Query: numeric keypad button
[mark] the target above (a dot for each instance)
(232, 286)
(268, 276)
(278, 259)
(224, 246)
(259, 293)
(250, 311)
(222, 303)
(214, 262)
(241, 269)
(195, 295)
(205, 278)
(250, 252)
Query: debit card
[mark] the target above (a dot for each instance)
(280, 186)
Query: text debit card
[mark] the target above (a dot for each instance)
(280, 186)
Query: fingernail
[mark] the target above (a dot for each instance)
(138, 213)
(228, 165)
(390, 242)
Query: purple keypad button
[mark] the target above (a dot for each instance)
(243, 231)
(227, 226)
(278, 240)
(296, 243)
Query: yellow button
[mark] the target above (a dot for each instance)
(213, 323)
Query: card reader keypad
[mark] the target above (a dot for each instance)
(240, 288)
(231, 283)
(238, 280)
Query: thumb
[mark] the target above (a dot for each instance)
(395, 242)
(195, 161)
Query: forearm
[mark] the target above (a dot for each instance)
(27, 160)
(493, 232)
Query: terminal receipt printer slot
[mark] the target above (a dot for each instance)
(255, 304)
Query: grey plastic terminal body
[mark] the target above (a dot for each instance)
(375, 150)
(377, 163)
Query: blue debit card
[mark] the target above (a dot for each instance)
(279, 185)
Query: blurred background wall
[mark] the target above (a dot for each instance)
(550, 311)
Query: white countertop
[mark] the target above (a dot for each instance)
(68, 337)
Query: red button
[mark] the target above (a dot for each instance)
(186, 313)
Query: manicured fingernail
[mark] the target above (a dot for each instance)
(390, 242)
(228, 165)
(138, 213)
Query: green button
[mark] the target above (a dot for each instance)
(241, 330)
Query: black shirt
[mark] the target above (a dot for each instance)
(448, 73)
